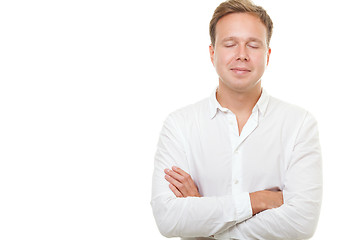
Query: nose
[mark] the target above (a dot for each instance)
(242, 54)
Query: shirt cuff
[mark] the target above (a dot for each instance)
(243, 212)
(242, 206)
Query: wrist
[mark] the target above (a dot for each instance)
(258, 202)
(265, 199)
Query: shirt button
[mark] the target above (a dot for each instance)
(236, 182)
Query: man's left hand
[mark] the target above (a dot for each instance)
(181, 183)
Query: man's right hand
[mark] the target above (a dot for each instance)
(263, 200)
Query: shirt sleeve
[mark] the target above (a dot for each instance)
(297, 218)
(191, 216)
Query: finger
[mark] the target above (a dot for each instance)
(185, 178)
(180, 186)
(173, 181)
(180, 171)
(175, 191)
(175, 175)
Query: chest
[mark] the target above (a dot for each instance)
(240, 124)
(216, 160)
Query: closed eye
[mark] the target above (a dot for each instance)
(253, 46)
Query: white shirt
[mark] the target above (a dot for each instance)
(278, 148)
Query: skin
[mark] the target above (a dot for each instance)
(240, 44)
(240, 57)
(182, 185)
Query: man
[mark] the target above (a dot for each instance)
(240, 164)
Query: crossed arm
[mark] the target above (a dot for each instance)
(182, 185)
(180, 211)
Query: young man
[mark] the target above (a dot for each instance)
(240, 164)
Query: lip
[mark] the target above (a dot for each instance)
(240, 70)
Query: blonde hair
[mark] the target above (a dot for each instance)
(240, 6)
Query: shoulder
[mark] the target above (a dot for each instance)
(190, 113)
(285, 108)
(288, 113)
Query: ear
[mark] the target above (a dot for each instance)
(211, 51)
(268, 56)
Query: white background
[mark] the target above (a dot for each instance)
(85, 87)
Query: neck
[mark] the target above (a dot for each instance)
(236, 101)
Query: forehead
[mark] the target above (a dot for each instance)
(240, 25)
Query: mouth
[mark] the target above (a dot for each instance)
(240, 70)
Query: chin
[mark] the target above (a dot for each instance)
(244, 87)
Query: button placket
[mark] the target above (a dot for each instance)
(233, 123)
(236, 171)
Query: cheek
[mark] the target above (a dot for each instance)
(223, 58)
(260, 60)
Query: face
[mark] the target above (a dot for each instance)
(240, 54)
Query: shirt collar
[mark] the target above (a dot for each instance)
(261, 104)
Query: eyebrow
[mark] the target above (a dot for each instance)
(251, 39)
